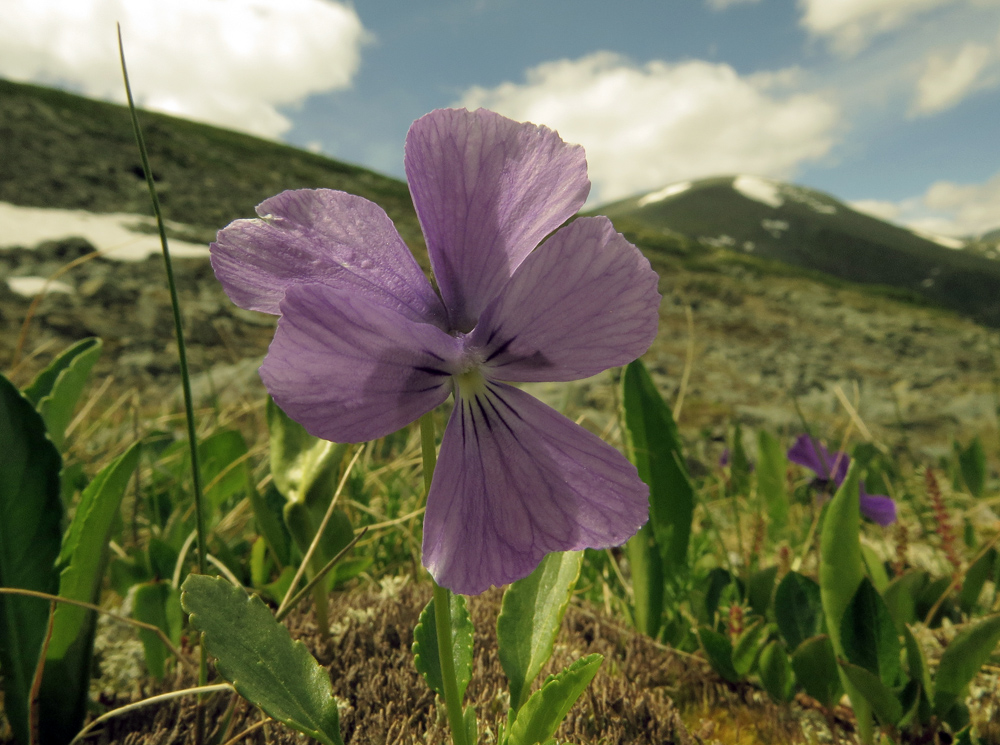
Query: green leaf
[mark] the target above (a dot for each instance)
(541, 715)
(974, 579)
(304, 468)
(972, 461)
(425, 646)
(56, 390)
(257, 655)
(840, 572)
(719, 652)
(916, 663)
(876, 569)
(216, 455)
(739, 464)
(868, 634)
(530, 616)
(883, 702)
(901, 594)
(776, 672)
(157, 603)
(760, 588)
(30, 531)
(647, 581)
(267, 513)
(772, 468)
(65, 686)
(798, 609)
(961, 661)
(815, 666)
(747, 646)
(656, 451)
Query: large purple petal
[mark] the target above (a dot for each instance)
(516, 480)
(349, 369)
(321, 235)
(877, 507)
(487, 190)
(583, 301)
(826, 465)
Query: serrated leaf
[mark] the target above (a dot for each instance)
(659, 458)
(868, 634)
(541, 714)
(425, 645)
(719, 652)
(776, 672)
(798, 609)
(875, 568)
(217, 455)
(56, 390)
(815, 666)
(257, 655)
(883, 702)
(530, 616)
(962, 660)
(772, 467)
(916, 663)
(30, 531)
(974, 579)
(65, 686)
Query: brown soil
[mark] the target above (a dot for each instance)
(643, 692)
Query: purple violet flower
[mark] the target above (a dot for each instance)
(831, 468)
(364, 345)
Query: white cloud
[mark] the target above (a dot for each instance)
(724, 4)
(945, 209)
(228, 62)
(650, 125)
(947, 79)
(851, 24)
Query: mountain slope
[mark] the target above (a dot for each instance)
(811, 230)
(62, 150)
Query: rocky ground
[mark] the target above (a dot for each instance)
(759, 345)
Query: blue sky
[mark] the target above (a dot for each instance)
(890, 104)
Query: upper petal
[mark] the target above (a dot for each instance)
(584, 301)
(810, 453)
(349, 369)
(321, 235)
(516, 480)
(487, 189)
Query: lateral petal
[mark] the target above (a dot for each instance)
(516, 480)
(327, 236)
(877, 507)
(583, 301)
(487, 189)
(350, 369)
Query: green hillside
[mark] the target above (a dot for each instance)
(811, 230)
(61, 150)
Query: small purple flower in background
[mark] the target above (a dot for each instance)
(831, 468)
(364, 345)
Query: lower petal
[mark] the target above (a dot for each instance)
(349, 369)
(515, 481)
(877, 508)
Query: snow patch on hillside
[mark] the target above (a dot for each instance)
(31, 286)
(759, 190)
(941, 240)
(664, 193)
(112, 234)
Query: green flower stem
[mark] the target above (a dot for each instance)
(442, 603)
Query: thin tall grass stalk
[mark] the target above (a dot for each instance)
(199, 735)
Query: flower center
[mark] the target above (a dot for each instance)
(470, 382)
